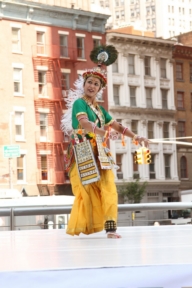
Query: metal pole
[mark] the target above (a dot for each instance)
(12, 220)
(10, 160)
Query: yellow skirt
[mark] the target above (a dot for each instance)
(94, 203)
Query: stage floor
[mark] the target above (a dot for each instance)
(147, 257)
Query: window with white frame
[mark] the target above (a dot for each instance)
(44, 167)
(40, 42)
(43, 117)
(164, 98)
(16, 39)
(165, 129)
(42, 83)
(152, 174)
(167, 161)
(132, 92)
(119, 158)
(17, 80)
(96, 42)
(163, 67)
(148, 93)
(131, 63)
(19, 125)
(116, 89)
(21, 168)
(147, 64)
(150, 128)
(63, 45)
(80, 47)
(65, 81)
(115, 68)
(134, 126)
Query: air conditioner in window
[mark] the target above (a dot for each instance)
(120, 175)
(65, 93)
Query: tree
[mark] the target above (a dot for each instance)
(133, 191)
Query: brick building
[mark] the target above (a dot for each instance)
(182, 54)
(43, 49)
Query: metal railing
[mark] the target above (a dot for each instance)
(12, 212)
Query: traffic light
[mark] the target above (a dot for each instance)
(146, 156)
(138, 156)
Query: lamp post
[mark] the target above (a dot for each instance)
(10, 159)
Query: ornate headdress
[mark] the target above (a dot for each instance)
(101, 55)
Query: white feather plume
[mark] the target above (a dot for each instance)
(73, 95)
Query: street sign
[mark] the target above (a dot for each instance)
(11, 151)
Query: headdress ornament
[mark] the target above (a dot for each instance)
(101, 55)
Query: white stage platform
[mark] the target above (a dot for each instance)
(145, 257)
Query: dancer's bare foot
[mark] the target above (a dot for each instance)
(113, 235)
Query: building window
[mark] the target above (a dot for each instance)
(20, 168)
(43, 124)
(167, 159)
(117, 14)
(65, 83)
(166, 130)
(115, 68)
(132, 91)
(152, 174)
(17, 80)
(190, 72)
(181, 128)
(42, 83)
(131, 63)
(19, 125)
(96, 42)
(163, 67)
(150, 128)
(119, 158)
(179, 71)
(44, 168)
(135, 169)
(148, 92)
(40, 42)
(183, 166)
(147, 63)
(134, 126)
(164, 99)
(80, 48)
(63, 45)
(180, 100)
(116, 89)
(16, 39)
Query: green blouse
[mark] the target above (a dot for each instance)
(80, 107)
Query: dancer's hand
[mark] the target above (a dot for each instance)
(142, 141)
(113, 135)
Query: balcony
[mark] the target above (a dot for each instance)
(55, 51)
(49, 136)
(51, 177)
(44, 91)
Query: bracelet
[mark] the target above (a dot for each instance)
(83, 117)
(134, 137)
(105, 138)
(94, 128)
(124, 130)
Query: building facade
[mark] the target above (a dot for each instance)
(182, 55)
(141, 97)
(165, 18)
(43, 50)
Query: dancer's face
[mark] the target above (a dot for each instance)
(91, 87)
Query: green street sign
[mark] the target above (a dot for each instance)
(11, 151)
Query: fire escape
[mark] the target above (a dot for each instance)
(49, 106)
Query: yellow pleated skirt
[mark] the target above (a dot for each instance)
(94, 203)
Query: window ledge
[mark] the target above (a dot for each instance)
(43, 55)
(17, 52)
(185, 179)
(20, 139)
(180, 80)
(80, 59)
(180, 109)
(18, 95)
(64, 57)
(21, 182)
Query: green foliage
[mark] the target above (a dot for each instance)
(133, 191)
